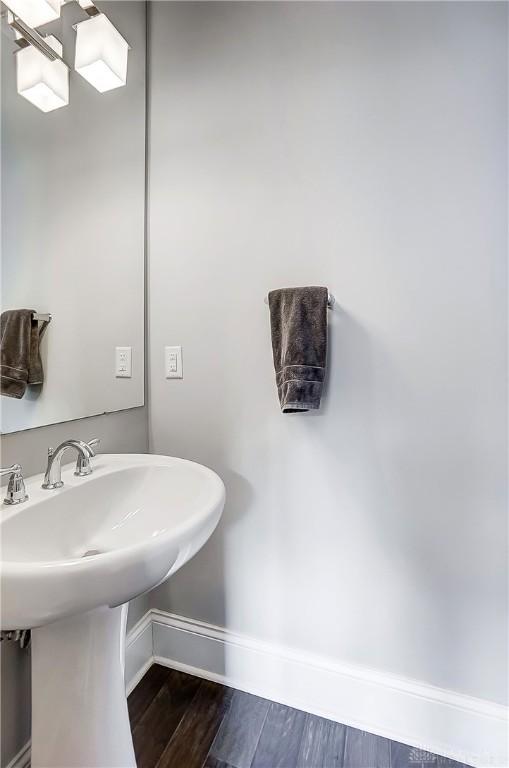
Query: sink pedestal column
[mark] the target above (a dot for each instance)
(79, 707)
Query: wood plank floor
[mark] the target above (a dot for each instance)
(180, 721)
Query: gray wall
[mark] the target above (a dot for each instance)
(15, 700)
(362, 146)
(122, 432)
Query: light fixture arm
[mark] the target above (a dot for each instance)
(31, 37)
(89, 7)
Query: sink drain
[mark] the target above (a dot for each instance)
(91, 552)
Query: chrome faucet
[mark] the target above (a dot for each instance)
(16, 491)
(83, 467)
(53, 476)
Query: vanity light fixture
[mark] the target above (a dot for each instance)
(35, 12)
(43, 82)
(101, 53)
(41, 72)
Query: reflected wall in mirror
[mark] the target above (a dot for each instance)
(73, 228)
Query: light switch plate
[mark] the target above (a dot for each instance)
(173, 363)
(123, 362)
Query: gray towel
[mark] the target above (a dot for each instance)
(298, 319)
(20, 358)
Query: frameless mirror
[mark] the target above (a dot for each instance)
(73, 216)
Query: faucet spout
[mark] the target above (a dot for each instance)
(53, 475)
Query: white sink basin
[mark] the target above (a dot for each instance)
(71, 558)
(144, 516)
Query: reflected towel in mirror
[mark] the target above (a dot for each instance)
(20, 356)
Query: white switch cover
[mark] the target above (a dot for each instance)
(173, 363)
(123, 362)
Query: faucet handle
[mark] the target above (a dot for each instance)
(16, 491)
(13, 468)
(94, 443)
(83, 467)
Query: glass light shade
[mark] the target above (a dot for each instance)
(101, 53)
(43, 82)
(35, 12)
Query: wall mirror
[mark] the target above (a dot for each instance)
(73, 209)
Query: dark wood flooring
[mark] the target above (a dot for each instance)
(180, 721)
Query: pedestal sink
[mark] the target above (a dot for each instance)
(71, 559)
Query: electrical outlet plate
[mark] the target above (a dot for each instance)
(123, 362)
(173, 363)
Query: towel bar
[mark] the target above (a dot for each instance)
(42, 317)
(330, 300)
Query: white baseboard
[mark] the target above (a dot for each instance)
(138, 652)
(470, 730)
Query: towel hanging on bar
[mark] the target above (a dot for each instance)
(298, 321)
